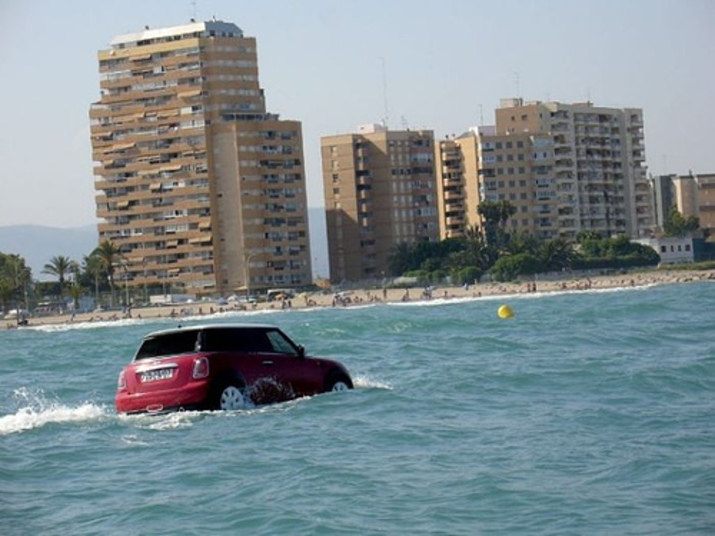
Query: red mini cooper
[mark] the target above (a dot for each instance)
(222, 367)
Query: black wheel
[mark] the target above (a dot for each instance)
(337, 381)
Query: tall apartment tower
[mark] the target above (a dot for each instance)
(379, 189)
(566, 167)
(481, 165)
(200, 188)
(599, 159)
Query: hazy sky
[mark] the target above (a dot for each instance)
(321, 62)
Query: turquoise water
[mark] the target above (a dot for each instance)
(587, 413)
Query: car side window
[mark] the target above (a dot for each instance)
(280, 344)
(236, 340)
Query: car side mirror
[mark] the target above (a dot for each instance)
(301, 351)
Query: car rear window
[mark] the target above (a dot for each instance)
(168, 344)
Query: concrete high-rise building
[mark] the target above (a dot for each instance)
(200, 187)
(481, 165)
(566, 167)
(599, 162)
(379, 189)
(695, 196)
(663, 192)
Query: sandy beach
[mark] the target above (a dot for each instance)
(366, 296)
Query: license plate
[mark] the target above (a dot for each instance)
(156, 375)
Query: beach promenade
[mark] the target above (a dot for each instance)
(387, 295)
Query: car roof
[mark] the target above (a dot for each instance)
(201, 327)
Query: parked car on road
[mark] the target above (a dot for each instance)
(223, 366)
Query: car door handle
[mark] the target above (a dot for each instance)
(267, 363)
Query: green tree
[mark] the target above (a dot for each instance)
(522, 242)
(75, 291)
(465, 275)
(15, 281)
(556, 254)
(676, 224)
(400, 259)
(92, 267)
(60, 267)
(495, 215)
(110, 257)
(582, 236)
(511, 266)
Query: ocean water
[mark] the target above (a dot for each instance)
(587, 413)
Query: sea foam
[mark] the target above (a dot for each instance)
(29, 418)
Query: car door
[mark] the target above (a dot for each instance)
(290, 367)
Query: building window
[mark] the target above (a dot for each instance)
(687, 247)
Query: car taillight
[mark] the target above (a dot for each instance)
(121, 382)
(201, 368)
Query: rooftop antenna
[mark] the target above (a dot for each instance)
(193, 10)
(386, 118)
(405, 124)
(516, 83)
(481, 115)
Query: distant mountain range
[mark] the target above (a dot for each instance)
(37, 244)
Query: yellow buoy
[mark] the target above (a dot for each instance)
(505, 312)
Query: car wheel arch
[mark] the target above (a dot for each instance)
(334, 376)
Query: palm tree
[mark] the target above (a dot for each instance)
(401, 258)
(75, 291)
(59, 266)
(92, 266)
(556, 254)
(495, 215)
(110, 256)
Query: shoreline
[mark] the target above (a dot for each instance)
(361, 297)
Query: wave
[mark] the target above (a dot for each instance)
(41, 413)
(362, 381)
(137, 321)
(55, 328)
(518, 296)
